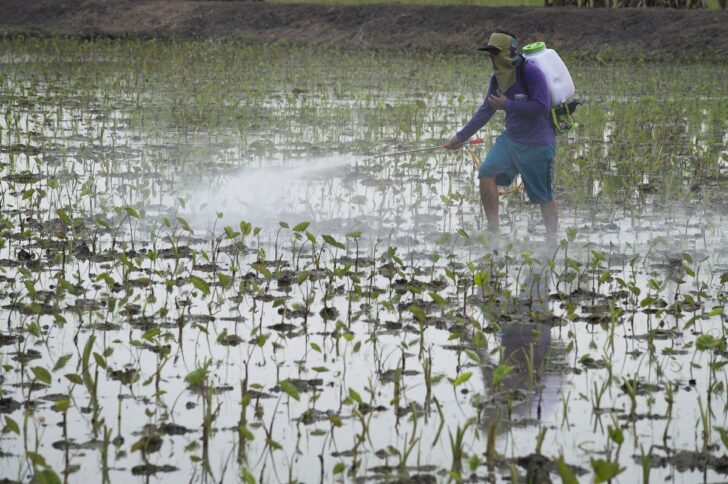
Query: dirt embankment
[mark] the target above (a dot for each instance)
(653, 32)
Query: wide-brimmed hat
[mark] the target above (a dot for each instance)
(498, 41)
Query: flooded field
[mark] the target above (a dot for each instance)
(208, 276)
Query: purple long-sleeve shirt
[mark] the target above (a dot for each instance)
(527, 120)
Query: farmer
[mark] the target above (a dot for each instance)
(528, 144)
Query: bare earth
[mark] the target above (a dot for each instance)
(649, 33)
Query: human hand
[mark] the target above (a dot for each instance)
(453, 144)
(497, 100)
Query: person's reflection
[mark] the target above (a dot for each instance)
(519, 384)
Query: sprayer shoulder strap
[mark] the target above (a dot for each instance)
(521, 73)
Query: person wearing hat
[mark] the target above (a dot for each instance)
(528, 144)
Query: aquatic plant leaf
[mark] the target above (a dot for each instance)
(230, 233)
(248, 478)
(354, 395)
(571, 234)
(479, 340)
(604, 277)
(42, 374)
(473, 356)
(706, 342)
(605, 470)
(716, 311)
(332, 241)
(11, 426)
(567, 475)
(62, 405)
(64, 217)
(47, 476)
(185, 225)
(339, 468)
(302, 277)
(262, 269)
(138, 445)
(36, 458)
(353, 235)
(103, 223)
(417, 312)
(615, 433)
(151, 333)
(225, 280)
(723, 436)
(61, 362)
(454, 476)
(462, 378)
(34, 329)
(500, 372)
(200, 284)
(100, 360)
(196, 377)
(648, 301)
(289, 389)
(301, 227)
(30, 287)
(273, 444)
(86, 358)
(724, 278)
(74, 378)
(315, 347)
(131, 211)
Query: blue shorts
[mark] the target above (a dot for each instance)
(507, 158)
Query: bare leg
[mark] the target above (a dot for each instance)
(550, 213)
(489, 197)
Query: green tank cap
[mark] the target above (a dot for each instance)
(534, 48)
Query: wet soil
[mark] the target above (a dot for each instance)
(645, 33)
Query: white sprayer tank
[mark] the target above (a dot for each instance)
(561, 87)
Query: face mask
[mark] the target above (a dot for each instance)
(505, 71)
(503, 63)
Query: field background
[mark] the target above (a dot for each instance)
(712, 4)
(602, 34)
(207, 274)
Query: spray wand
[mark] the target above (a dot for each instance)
(476, 163)
(476, 141)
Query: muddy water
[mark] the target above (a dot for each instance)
(360, 356)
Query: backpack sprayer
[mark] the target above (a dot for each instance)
(559, 83)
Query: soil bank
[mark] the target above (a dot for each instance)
(608, 33)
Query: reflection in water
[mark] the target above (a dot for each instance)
(519, 381)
